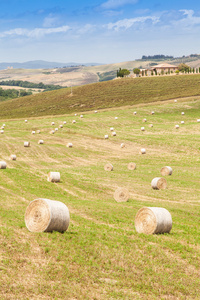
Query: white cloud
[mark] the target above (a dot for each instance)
(112, 4)
(50, 21)
(86, 28)
(189, 19)
(127, 23)
(34, 33)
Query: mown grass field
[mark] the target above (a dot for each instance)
(101, 256)
(109, 94)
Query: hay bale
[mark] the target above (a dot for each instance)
(26, 144)
(81, 116)
(175, 101)
(177, 126)
(108, 167)
(33, 132)
(56, 129)
(152, 113)
(142, 129)
(75, 115)
(114, 133)
(61, 126)
(152, 220)
(52, 123)
(13, 157)
(135, 113)
(2, 127)
(3, 165)
(106, 136)
(69, 145)
(166, 171)
(121, 195)
(95, 111)
(41, 142)
(38, 131)
(150, 125)
(74, 121)
(159, 183)
(44, 215)
(64, 122)
(116, 118)
(182, 113)
(142, 151)
(2, 131)
(131, 166)
(122, 145)
(52, 132)
(198, 120)
(144, 120)
(182, 122)
(25, 121)
(53, 177)
(111, 128)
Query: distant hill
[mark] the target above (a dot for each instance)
(41, 64)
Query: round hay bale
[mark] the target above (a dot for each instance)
(108, 167)
(142, 151)
(64, 122)
(114, 133)
(106, 136)
(144, 120)
(95, 111)
(150, 125)
(116, 118)
(131, 166)
(33, 132)
(25, 121)
(175, 101)
(26, 144)
(2, 131)
(44, 215)
(135, 113)
(3, 165)
(142, 129)
(53, 177)
(198, 120)
(2, 127)
(38, 131)
(177, 126)
(159, 183)
(111, 128)
(74, 121)
(41, 142)
(52, 132)
(182, 122)
(122, 145)
(75, 115)
(56, 129)
(13, 157)
(152, 220)
(121, 195)
(182, 113)
(69, 145)
(52, 123)
(61, 126)
(166, 171)
(81, 116)
(152, 113)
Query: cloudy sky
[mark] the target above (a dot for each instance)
(104, 31)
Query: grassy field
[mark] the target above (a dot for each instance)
(101, 256)
(102, 95)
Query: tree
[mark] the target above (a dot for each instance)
(136, 71)
(122, 72)
(183, 68)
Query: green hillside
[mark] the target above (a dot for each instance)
(115, 93)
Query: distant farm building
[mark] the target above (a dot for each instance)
(164, 68)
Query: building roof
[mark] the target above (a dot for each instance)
(163, 66)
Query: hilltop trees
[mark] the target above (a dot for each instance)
(136, 71)
(183, 68)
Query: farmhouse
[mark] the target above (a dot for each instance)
(163, 68)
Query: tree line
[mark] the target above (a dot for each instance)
(31, 85)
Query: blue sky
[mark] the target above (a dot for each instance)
(104, 31)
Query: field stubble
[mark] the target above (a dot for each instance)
(101, 256)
